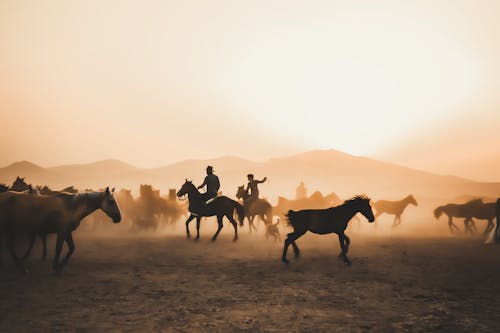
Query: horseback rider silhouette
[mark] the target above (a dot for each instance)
(253, 186)
(212, 183)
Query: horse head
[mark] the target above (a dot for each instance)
(411, 199)
(19, 185)
(110, 206)
(241, 193)
(363, 206)
(187, 188)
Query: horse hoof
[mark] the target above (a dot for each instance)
(285, 261)
(235, 239)
(213, 239)
(197, 239)
(348, 263)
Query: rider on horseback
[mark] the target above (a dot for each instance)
(253, 186)
(212, 183)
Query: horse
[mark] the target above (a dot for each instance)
(326, 221)
(485, 211)
(395, 208)
(219, 206)
(3, 188)
(19, 185)
(60, 214)
(459, 210)
(258, 207)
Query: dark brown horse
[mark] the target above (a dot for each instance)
(220, 206)
(326, 221)
(19, 185)
(466, 210)
(60, 214)
(258, 207)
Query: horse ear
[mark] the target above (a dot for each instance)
(107, 190)
(187, 180)
(113, 190)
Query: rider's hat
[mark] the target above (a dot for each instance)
(210, 168)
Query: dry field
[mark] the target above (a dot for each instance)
(166, 283)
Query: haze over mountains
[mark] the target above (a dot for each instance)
(324, 170)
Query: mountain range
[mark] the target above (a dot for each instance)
(324, 170)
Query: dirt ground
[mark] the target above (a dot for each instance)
(397, 283)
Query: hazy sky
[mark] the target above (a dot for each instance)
(153, 82)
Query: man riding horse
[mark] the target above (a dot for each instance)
(253, 187)
(212, 183)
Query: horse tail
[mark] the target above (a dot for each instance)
(438, 211)
(240, 210)
(291, 218)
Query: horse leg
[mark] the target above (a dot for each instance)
(451, 225)
(59, 244)
(473, 228)
(198, 221)
(30, 247)
(71, 247)
(219, 228)
(489, 226)
(344, 246)
(11, 247)
(235, 226)
(190, 218)
(250, 224)
(290, 239)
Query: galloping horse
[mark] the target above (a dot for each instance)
(394, 208)
(220, 206)
(466, 211)
(19, 185)
(258, 207)
(326, 221)
(60, 214)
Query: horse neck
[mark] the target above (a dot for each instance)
(86, 204)
(350, 210)
(406, 201)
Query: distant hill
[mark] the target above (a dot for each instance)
(324, 170)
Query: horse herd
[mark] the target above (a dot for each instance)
(31, 212)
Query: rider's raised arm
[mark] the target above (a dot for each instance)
(261, 181)
(204, 183)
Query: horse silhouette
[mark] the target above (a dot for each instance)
(326, 221)
(220, 206)
(395, 208)
(484, 211)
(60, 214)
(19, 185)
(257, 207)
(466, 211)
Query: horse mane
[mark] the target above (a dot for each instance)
(356, 198)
